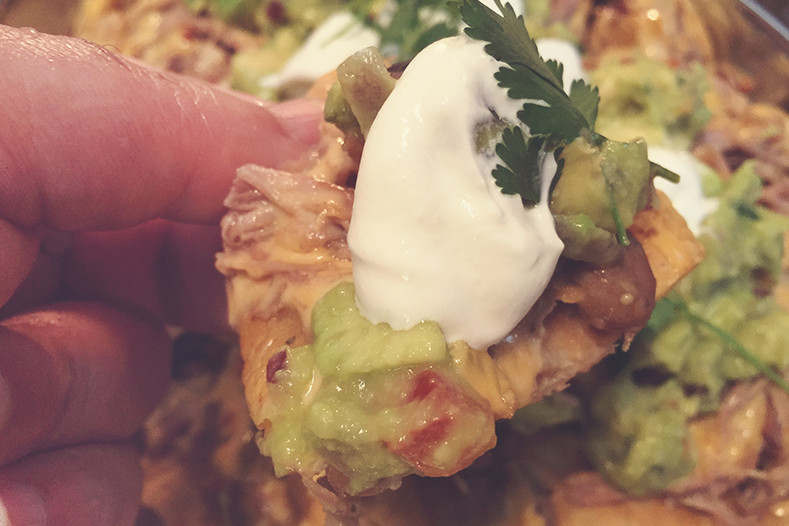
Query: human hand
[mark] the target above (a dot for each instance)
(112, 178)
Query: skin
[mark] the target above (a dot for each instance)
(112, 177)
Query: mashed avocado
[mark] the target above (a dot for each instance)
(641, 97)
(370, 415)
(316, 417)
(677, 369)
(344, 339)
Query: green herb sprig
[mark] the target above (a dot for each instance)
(679, 307)
(548, 109)
(521, 165)
(554, 117)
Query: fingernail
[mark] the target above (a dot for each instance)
(21, 506)
(298, 110)
(300, 118)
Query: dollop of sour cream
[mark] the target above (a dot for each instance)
(687, 195)
(432, 237)
(334, 40)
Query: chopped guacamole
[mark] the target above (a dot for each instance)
(643, 97)
(677, 369)
(638, 405)
(375, 415)
(344, 339)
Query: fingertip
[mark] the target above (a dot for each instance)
(79, 372)
(300, 118)
(99, 485)
(144, 143)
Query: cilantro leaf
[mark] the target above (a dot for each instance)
(520, 173)
(586, 98)
(409, 28)
(547, 109)
(554, 117)
(543, 111)
(508, 41)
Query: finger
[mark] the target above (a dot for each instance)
(43, 280)
(91, 140)
(162, 267)
(99, 485)
(77, 372)
(20, 249)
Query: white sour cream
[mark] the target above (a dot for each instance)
(687, 195)
(337, 38)
(341, 35)
(432, 237)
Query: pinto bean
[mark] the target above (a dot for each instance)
(618, 296)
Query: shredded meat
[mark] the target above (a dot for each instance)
(289, 228)
(287, 210)
(742, 130)
(741, 473)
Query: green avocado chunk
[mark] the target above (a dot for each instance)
(677, 369)
(347, 343)
(342, 420)
(600, 189)
(639, 434)
(363, 85)
(371, 402)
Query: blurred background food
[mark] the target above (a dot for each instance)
(202, 37)
(201, 461)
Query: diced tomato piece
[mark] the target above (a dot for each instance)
(277, 362)
(445, 425)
